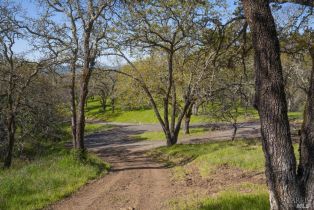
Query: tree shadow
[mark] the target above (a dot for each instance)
(121, 149)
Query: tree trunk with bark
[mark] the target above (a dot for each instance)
(187, 120)
(112, 105)
(103, 103)
(11, 128)
(306, 165)
(270, 101)
(73, 104)
(235, 128)
(81, 108)
(83, 95)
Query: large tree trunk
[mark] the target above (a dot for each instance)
(271, 104)
(11, 128)
(172, 136)
(89, 63)
(306, 166)
(73, 104)
(81, 110)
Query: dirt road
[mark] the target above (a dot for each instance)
(136, 181)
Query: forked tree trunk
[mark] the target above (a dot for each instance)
(172, 138)
(270, 101)
(89, 62)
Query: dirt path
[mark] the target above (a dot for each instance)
(136, 181)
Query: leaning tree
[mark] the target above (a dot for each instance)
(289, 188)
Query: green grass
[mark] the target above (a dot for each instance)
(52, 173)
(239, 201)
(94, 111)
(89, 128)
(94, 128)
(295, 116)
(46, 180)
(159, 135)
(245, 155)
(256, 199)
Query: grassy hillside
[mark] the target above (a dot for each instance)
(94, 111)
(53, 173)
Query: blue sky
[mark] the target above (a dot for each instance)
(30, 9)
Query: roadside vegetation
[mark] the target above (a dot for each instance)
(47, 172)
(255, 198)
(235, 171)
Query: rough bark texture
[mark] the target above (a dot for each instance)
(271, 103)
(73, 103)
(81, 107)
(306, 166)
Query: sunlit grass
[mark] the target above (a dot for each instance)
(89, 128)
(52, 173)
(235, 200)
(230, 199)
(94, 111)
(46, 180)
(244, 154)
